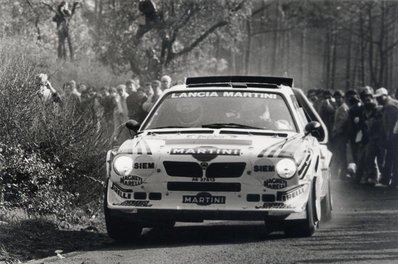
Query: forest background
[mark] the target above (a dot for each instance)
(52, 164)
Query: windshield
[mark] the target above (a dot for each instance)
(222, 109)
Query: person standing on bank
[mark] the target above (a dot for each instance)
(389, 175)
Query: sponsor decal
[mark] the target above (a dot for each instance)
(264, 168)
(203, 199)
(275, 183)
(284, 196)
(125, 194)
(203, 179)
(136, 203)
(144, 165)
(275, 206)
(131, 180)
(205, 153)
(203, 94)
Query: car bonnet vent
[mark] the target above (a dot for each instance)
(191, 81)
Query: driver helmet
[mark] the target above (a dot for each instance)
(189, 113)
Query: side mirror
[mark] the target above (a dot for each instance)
(312, 127)
(133, 125)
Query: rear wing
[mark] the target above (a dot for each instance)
(277, 81)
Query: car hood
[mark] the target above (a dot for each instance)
(206, 147)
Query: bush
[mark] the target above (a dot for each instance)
(31, 183)
(52, 158)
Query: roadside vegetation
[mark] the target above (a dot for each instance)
(51, 161)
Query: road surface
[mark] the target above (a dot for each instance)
(364, 229)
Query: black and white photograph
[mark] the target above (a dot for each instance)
(198, 131)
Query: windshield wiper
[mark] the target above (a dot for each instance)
(229, 125)
(168, 127)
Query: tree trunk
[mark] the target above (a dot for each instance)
(302, 57)
(348, 79)
(333, 61)
(327, 59)
(371, 52)
(362, 48)
(248, 46)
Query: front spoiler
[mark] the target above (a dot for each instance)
(148, 216)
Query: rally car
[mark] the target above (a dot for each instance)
(222, 148)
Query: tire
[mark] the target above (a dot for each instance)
(307, 226)
(326, 206)
(120, 228)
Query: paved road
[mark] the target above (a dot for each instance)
(364, 229)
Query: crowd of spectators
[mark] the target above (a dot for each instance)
(362, 124)
(363, 133)
(108, 107)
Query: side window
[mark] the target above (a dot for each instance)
(303, 119)
(310, 113)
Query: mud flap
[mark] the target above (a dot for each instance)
(318, 191)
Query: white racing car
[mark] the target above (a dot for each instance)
(222, 148)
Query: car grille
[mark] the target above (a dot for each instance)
(183, 169)
(204, 186)
(225, 170)
(214, 170)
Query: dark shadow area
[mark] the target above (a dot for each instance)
(200, 234)
(34, 239)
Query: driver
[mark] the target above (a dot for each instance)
(189, 113)
(257, 115)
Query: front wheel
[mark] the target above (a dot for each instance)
(307, 226)
(118, 227)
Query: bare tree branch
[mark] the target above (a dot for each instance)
(196, 42)
(50, 7)
(205, 34)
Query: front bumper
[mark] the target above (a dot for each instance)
(198, 206)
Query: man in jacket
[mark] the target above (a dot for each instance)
(390, 125)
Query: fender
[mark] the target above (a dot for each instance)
(317, 185)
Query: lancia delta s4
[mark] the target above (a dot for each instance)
(222, 148)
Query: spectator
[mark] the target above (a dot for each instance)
(373, 140)
(131, 87)
(120, 113)
(131, 101)
(365, 90)
(121, 90)
(390, 126)
(340, 136)
(312, 96)
(81, 88)
(157, 92)
(355, 125)
(86, 102)
(148, 89)
(327, 110)
(46, 91)
(72, 97)
(47, 100)
(165, 82)
(139, 113)
(74, 87)
(108, 106)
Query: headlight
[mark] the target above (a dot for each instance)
(123, 165)
(286, 168)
